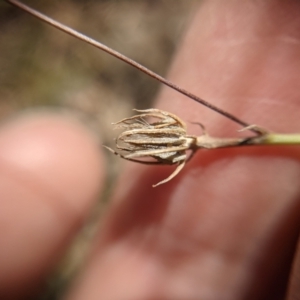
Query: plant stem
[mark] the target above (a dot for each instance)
(281, 139)
(129, 61)
(269, 139)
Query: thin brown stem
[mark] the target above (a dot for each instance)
(127, 60)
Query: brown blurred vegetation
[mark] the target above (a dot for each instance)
(40, 66)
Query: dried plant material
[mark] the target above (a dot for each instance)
(163, 139)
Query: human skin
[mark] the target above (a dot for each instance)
(225, 228)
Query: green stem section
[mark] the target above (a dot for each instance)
(281, 139)
(271, 139)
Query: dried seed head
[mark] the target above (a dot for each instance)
(163, 138)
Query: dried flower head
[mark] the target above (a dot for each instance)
(162, 138)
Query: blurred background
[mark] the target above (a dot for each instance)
(41, 66)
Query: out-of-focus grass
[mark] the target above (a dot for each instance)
(41, 66)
